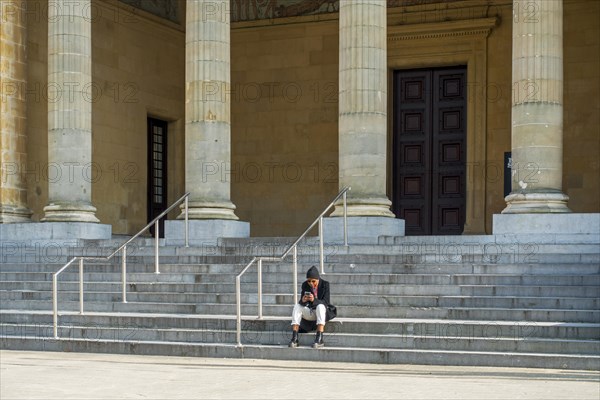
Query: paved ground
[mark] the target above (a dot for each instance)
(46, 375)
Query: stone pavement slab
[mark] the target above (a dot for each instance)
(48, 375)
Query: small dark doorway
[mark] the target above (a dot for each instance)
(429, 150)
(157, 171)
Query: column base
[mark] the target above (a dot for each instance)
(70, 212)
(209, 210)
(564, 224)
(361, 230)
(204, 232)
(54, 231)
(364, 207)
(536, 203)
(12, 215)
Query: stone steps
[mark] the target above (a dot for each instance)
(335, 279)
(333, 338)
(345, 268)
(260, 245)
(396, 258)
(441, 328)
(382, 290)
(502, 239)
(587, 255)
(503, 300)
(521, 238)
(460, 313)
(330, 354)
(423, 253)
(569, 303)
(585, 258)
(492, 343)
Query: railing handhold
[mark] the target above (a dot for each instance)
(122, 248)
(293, 247)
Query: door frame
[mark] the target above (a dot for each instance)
(447, 44)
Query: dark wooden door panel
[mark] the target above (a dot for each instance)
(412, 144)
(449, 154)
(429, 147)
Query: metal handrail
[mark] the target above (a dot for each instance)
(123, 249)
(292, 248)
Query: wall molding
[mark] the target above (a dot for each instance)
(436, 30)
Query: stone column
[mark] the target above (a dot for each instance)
(69, 112)
(207, 110)
(537, 109)
(363, 107)
(13, 112)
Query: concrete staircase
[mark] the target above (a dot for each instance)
(449, 300)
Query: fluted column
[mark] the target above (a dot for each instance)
(537, 109)
(207, 109)
(13, 112)
(363, 107)
(69, 112)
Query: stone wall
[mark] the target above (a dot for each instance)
(284, 124)
(284, 112)
(581, 167)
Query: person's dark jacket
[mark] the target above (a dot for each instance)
(322, 298)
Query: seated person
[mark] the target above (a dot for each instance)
(313, 309)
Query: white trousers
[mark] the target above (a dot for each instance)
(309, 314)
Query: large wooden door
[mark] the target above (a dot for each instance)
(429, 150)
(157, 171)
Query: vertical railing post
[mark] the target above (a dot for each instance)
(55, 305)
(260, 304)
(124, 274)
(187, 226)
(238, 307)
(295, 277)
(321, 249)
(345, 220)
(81, 286)
(156, 239)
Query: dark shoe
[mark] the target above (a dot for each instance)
(318, 341)
(294, 341)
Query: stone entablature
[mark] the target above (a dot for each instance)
(167, 9)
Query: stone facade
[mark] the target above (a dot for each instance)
(284, 108)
